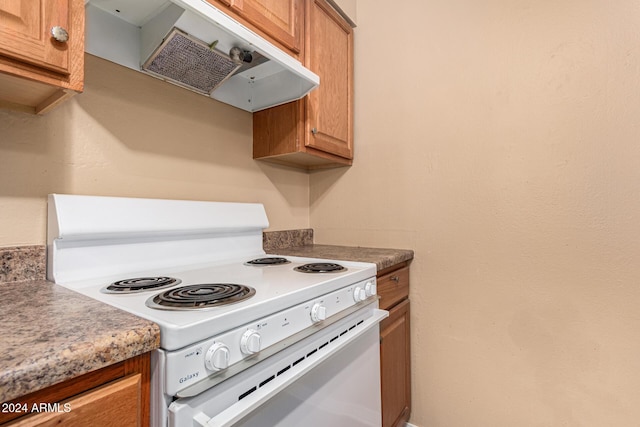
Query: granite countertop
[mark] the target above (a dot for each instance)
(52, 334)
(383, 258)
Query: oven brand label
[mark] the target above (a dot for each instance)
(188, 377)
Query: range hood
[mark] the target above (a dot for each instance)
(195, 45)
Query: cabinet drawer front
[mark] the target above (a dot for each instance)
(393, 287)
(113, 404)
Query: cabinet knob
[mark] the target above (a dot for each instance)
(314, 131)
(395, 278)
(59, 34)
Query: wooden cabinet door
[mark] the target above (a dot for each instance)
(116, 404)
(329, 125)
(25, 32)
(281, 19)
(395, 363)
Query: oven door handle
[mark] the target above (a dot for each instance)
(244, 407)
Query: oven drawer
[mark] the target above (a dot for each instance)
(393, 287)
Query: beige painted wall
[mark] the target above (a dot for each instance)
(132, 135)
(500, 140)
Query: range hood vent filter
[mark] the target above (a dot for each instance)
(190, 63)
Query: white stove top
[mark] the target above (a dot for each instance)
(93, 241)
(277, 288)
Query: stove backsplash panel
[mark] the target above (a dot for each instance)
(28, 263)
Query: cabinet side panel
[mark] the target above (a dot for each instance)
(142, 365)
(276, 130)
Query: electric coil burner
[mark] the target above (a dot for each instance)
(320, 267)
(268, 261)
(140, 284)
(200, 296)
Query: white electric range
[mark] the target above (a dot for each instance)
(241, 331)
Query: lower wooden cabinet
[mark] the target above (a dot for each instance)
(395, 353)
(117, 396)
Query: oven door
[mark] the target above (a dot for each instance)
(331, 378)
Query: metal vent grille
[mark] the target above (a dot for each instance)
(190, 62)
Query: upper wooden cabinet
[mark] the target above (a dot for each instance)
(37, 71)
(280, 21)
(317, 131)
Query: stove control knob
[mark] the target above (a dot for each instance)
(217, 357)
(359, 294)
(250, 342)
(318, 312)
(370, 288)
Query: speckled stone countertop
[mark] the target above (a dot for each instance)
(383, 258)
(23, 263)
(51, 334)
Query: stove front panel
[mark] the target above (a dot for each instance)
(196, 362)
